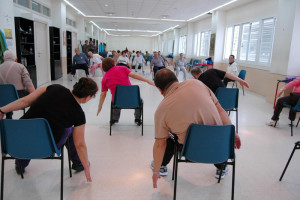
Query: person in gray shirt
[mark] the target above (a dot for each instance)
(16, 74)
(157, 63)
(80, 61)
(180, 65)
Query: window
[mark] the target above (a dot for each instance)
(182, 44)
(35, 6)
(46, 11)
(24, 3)
(251, 42)
(202, 44)
(170, 46)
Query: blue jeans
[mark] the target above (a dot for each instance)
(68, 133)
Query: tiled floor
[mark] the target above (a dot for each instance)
(120, 163)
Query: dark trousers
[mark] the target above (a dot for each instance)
(21, 93)
(68, 133)
(169, 153)
(290, 100)
(156, 69)
(80, 66)
(122, 64)
(227, 80)
(117, 112)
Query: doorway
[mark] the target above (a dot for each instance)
(41, 53)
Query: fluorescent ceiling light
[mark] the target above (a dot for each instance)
(124, 30)
(166, 30)
(212, 10)
(130, 35)
(136, 18)
(75, 8)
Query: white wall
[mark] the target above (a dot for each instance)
(132, 43)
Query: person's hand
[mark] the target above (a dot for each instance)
(87, 174)
(243, 83)
(99, 110)
(155, 177)
(151, 83)
(280, 92)
(238, 143)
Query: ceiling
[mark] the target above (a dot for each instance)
(142, 16)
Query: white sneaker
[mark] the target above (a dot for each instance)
(272, 123)
(224, 173)
(163, 169)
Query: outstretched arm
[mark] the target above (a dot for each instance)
(234, 77)
(102, 98)
(141, 78)
(23, 102)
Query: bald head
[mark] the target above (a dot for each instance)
(164, 78)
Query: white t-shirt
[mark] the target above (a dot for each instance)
(123, 60)
(138, 60)
(233, 68)
(96, 59)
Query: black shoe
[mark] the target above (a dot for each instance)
(78, 167)
(138, 122)
(18, 169)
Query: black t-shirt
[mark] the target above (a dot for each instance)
(213, 78)
(59, 107)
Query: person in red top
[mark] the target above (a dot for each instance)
(292, 100)
(117, 75)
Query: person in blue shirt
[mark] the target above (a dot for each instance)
(80, 61)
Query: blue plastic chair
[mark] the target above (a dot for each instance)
(150, 58)
(242, 75)
(297, 146)
(206, 144)
(8, 94)
(196, 62)
(229, 100)
(296, 108)
(111, 56)
(127, 97)
(28, 139)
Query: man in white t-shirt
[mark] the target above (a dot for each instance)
(232, 68)
(139, 61)
(123, 60)
(95, 62)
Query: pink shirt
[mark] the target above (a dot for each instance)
(117, 75)
(296, 84)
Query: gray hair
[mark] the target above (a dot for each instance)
(9, 55)
(196, 71)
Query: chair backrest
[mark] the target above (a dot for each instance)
(111, 56)
(191, 61)
(196, 61)
(8, 94)
(127, 96)
(150, 58)
(297, 106)
(242, 74)
(27, 138)
(209, 144)
(228, 97)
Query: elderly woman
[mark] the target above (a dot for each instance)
(61, 108)
(123, 60)
(292, 100)
(180, 65)
(117, 75)
(95, 62)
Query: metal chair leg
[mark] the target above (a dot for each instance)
(237, 121)
(2, 178)
(233, 179)
(21, 169)
(175, 181)
(292, 128)
(298, 122)
(287, 164)
(174, 161)
(219, 179)
(62, 175)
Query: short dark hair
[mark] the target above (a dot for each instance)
(137, 52)
(107, 63)
(118, 51)
(164, 78)
(123, 51)
(85, 41)
(232, 56)
(195, 71)
(85, 87)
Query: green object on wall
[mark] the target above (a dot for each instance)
(3, 46)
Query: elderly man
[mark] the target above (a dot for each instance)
(232, 68)
(80, 61)
(157, 63)
(95, 62)
(176, 112)
(139, 61)
(213, 78)
(15, 73)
